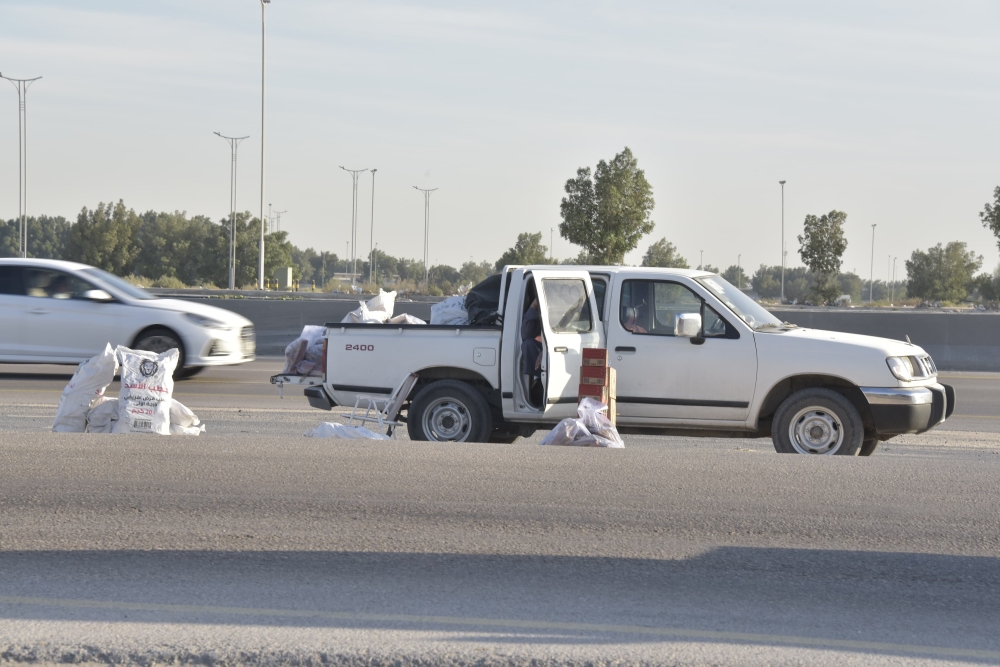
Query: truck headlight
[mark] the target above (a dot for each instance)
(206, 322)
(901, 367)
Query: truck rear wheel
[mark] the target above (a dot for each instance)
(449, 410)
(817, 421)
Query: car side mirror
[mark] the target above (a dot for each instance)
(688, 325)
(97, 295)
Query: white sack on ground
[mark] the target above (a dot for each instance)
(591, 429)
(595, 417)
(181, 415)
(405, 318)
(303, 355)
(147, 387)
(344, 432)
(450, 311)
(102, 415)
(177, 429)
(86, 385)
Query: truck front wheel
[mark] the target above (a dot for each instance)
(817, 421)
(449, 410)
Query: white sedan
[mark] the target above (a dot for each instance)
(56, 312)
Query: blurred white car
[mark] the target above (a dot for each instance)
(57, 312)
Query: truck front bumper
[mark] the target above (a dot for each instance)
(909, 410)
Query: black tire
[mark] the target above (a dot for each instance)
(868, 447)
(825, 422)
(159, 340)
(449, 410)
(188, 372)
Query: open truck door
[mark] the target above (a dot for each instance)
(569, 323)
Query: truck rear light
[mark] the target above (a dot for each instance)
(322, 359)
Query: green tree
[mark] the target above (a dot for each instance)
(527, 250)
(942, 274)
(607, 215)
(765, 283)
(990, 215)
(735, 275)
(851, 284)
(47, 237)
(106, 238)
(664, 254)
(822, 245)
(476, 273)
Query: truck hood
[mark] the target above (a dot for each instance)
(180, 306)
(858, 359)
(836, 339)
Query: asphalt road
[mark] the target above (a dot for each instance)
(254, 545)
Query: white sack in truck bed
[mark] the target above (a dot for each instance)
(377, 310)
(304, 354)
(450, 311)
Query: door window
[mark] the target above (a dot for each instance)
(600, 289)
(568, 305)
(46, 283)
(652, 307)
(10, 280)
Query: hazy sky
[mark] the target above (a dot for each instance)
(885, 110)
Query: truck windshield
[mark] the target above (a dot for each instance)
(743, 306)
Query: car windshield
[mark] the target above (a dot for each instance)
(745, 308)
(118, 283)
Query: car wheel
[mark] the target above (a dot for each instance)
(868, 447)
(159, 340)
(449, 410)
(817, 421)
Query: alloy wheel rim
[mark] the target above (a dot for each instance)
(157, 344)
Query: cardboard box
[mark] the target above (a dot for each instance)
(599, 375)
(595, 356)
(594, 391)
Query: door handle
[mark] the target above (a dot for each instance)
(38, 311)
(624, 349)
(560, 349)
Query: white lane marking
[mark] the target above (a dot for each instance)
(510, 623)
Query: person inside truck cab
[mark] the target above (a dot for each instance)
(531, 348)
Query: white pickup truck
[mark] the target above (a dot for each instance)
(693, 355)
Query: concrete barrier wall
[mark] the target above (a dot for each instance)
(957, 341)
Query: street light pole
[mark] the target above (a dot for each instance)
(893, 297)
(354, 218)
(701, 262)
(782, 183)
(277, 215)
(551, 242)
(22, 86)
(427, 230)
(234, 143)
(871, 278)
(263, 95)
(371, 241)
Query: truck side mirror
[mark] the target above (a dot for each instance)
(688, 325)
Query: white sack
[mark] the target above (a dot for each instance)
(405, 319)
(304, 354)
(147, 387)
(177, 429)
(102, 416)
(181, 415)
(86, 385)
(344, 432)
(594, 415)
(450, 311)
(385, 302)
(361, 315)
(591, 429)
